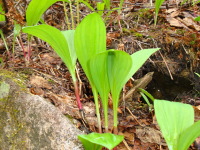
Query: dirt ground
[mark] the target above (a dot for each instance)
(133, 29)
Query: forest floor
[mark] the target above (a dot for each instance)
(133, 29)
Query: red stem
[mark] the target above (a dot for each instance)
(77, 96)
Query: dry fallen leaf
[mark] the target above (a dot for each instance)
(40, 82)
(147, 134)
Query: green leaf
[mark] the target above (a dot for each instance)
(197, 74)
(95, 141)
(107, 4)
(99, 74)
(69, 36)
(158, 3)
(58, 41)
(100, 7)
(138, 59)
(90, 39)
(2, 17)
(188, 136)
(36, 8)
(119, 65)
(197, 18)
(147, 94)
(173, 118)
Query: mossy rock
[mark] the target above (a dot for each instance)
(29, 122)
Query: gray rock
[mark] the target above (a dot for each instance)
(28, 122)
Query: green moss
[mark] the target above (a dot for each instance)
(9, 112)
(18, 78)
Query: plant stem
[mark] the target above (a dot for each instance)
(77, 10)
(80, 107)
(71, 13)
(22, 45)
(95, 94)
(66, 17)
(5, 43)
(115, 106)
(106, 116)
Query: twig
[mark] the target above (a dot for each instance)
(125, 143)
(133, 116)
(170, 74)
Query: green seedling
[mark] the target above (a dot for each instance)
(90, 39)
(108, 71)
(176, 121)
(16, 32)
(96, 141)
(63, 43)
(145, 96)
(158, 3)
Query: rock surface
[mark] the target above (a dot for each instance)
(29, 122)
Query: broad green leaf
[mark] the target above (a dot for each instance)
(188, 136)
(138, 59)
(89, 145)
(99, 74)
(107, 140)
(173, 118)
(119, 65)
(36, 8)
(69, 36)
(90, 39)
(57, 41)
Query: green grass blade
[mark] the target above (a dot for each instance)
(188, 136)
(173, 118)
(146, 99)
(147, 94)
(138, 59)
(56, 40)
(36, 8)
(119, 65)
